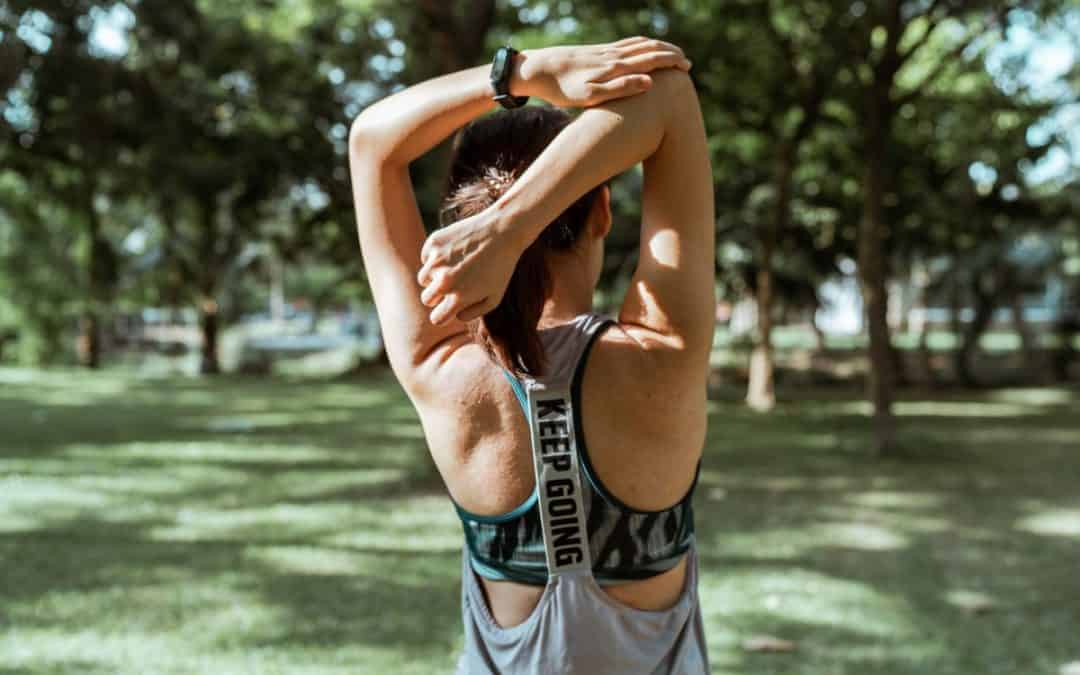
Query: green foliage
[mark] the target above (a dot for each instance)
(213, 134)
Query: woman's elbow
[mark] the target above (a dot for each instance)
(671, 81)
(369, 138)
(363, 136)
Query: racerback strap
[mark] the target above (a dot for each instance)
(550, 409)
(558, 478)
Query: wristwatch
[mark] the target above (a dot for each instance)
(502, 66)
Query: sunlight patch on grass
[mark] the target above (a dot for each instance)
(400, 430)
(1053, 523)
(264, 420)
(86, 650)
(962, 409)
(12, 521)
(863, 536)
(969, 600)
(1043, 396)
(420, 524)
(798, 541)
(311, 560)
(204, 451)
(173, 480)
(894, 499)
(37, 380)
(434, 541)
(785, 483)
(279, 522)
(1036, 440)
(43, 492)
(860, 408)
(308, 483)
(771, 598)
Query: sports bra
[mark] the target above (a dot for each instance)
(626, 544)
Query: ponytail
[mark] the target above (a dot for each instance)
(509, 332)
(489, 155)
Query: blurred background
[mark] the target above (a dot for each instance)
(206, 465)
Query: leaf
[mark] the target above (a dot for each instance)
(771, 644)
(1071, 668)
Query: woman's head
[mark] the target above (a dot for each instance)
(489, 155)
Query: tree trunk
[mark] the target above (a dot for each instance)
(277, 288)
(922, 303)
(899, 364)
(1065, 353)
(985, 304)
(1027, 340)
(209, 327)
(88, 346)
(761, 391)
(820, 347)
(871, 263)
(926, 357)
(1068, 325)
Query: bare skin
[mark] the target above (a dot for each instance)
(644, 443)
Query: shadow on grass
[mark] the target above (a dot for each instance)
(976, 533)
(406, 602)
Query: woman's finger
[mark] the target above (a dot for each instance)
(429, 297)
(649, 61)
(629, 41)
(475, 312)
(447, 308)
(620, 87)
(440, 281)
(428, 270)
(647, 45)
(431, 246)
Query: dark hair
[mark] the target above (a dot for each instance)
(490, 154)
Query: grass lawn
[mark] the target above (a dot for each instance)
(273, 526)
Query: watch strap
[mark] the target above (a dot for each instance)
(500, 81)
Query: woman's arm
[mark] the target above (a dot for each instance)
(383, 140)
(391, 133)
(671, 296)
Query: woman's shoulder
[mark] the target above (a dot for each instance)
(633, 349)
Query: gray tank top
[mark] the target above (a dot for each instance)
(576, 628)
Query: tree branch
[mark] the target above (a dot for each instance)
(780, 40)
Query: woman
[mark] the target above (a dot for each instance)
(579, 554)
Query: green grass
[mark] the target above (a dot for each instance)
(247, 526)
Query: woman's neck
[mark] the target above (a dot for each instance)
(571, 290)
(561, 308)
(559, 316)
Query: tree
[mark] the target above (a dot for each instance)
(892, 36)
(70, 138)
(794, 69)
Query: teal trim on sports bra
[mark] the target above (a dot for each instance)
(519, 391)
(519, 511)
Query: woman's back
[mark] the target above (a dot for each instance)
(636, 626)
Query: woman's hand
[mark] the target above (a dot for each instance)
(587, 75)
(466, 268)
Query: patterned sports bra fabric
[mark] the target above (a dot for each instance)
(625, 544)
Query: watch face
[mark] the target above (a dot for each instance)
(498, 68)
